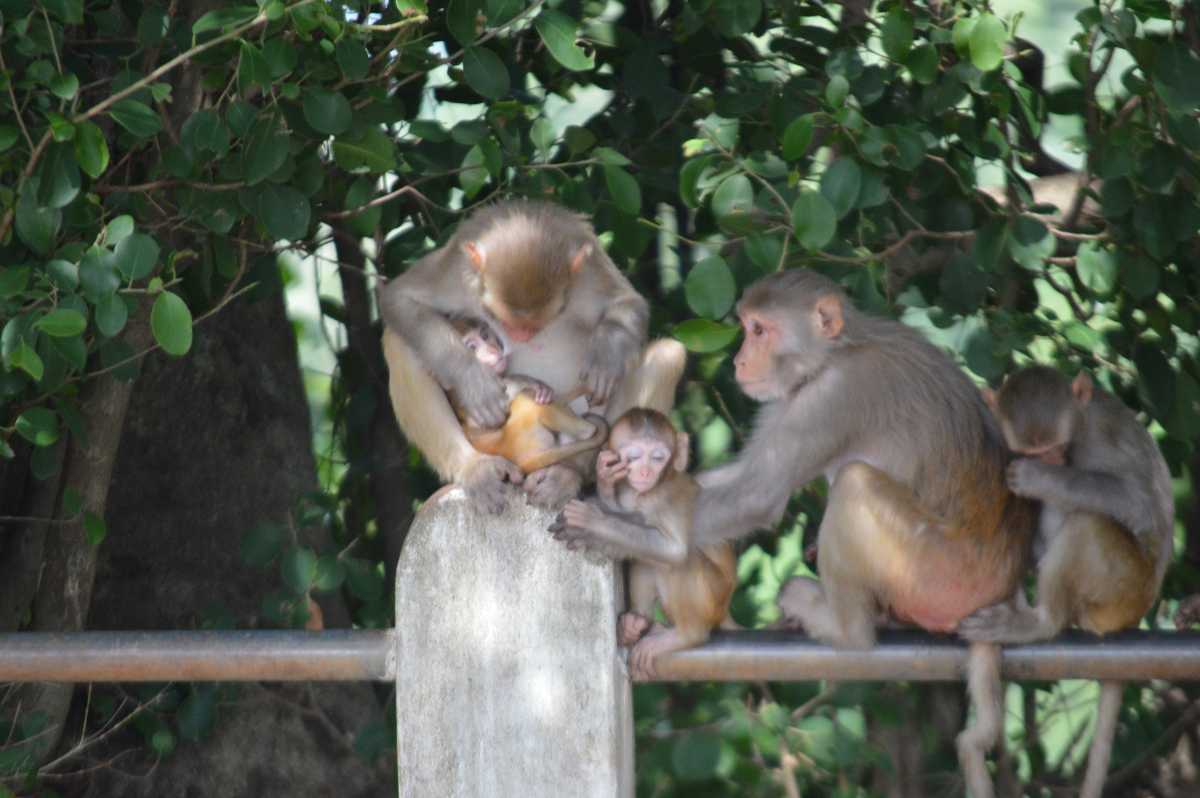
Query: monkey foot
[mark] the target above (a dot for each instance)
(661, 641)
(1003, 623)
(795, 601)
(631, 627)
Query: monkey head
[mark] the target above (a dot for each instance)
(781, 350)
(1039, 411)
(487, 348)
(524, 262)
(647, 444)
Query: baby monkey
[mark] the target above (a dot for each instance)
(529, 438)
(642, 481)
(1105, 530)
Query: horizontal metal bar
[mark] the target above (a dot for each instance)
(341, 655)
(916, 656)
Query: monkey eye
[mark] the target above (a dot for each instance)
(472, 344)
(756, 328)
(659, 455)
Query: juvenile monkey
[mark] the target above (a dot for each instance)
(641, 476)
(567, 313)
(918, 523)
(529, 437)
(1105, 531)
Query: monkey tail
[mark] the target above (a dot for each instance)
(1102, 740)
(559, 453)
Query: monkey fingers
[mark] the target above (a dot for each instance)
(602, 372)
(1022, 476)
(631, 627)
(482, 396)
(1005, 622)
(484, 482)
(552, 486)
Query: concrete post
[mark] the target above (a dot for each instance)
(509, 683)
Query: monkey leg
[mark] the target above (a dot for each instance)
(987, 699)
(427, 420)
(652, 380)
(643, 592)
(662, 640)
(1102, 740)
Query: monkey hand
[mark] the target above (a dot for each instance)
(1024, 477)
(482, 396)
(609, 468)
(631, 627)
(575, 527)
(484, 480)
(602, 370)
(552, 486)
(543, 394)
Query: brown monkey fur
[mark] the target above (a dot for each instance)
(918, 523)
(568, 315)
(1106, 527)
(642, 476)
(529, 436)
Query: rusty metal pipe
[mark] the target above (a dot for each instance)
(269, 656)
(915, 656)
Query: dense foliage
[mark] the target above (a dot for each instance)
(155, 159)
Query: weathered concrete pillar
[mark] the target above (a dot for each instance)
(509, 682)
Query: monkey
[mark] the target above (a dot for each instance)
(918, 525)
(568, 315)
(641, 475)
(1105, 532)
(528, 438)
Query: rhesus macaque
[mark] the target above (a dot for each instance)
(642, 480)
(1105, 531)
(529, 437)
(918, 525)
(565, 312)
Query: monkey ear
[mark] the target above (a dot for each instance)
(827, 312)
(682, 445)
(989, 399)
(475, 254)
(1081, 388)
(581, 255)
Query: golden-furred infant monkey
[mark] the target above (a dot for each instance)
(568, 315)
(642, 480)
(1106, 527)
(529, 437)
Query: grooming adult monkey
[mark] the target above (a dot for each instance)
(567, 314)
(529, 437)
(1106, 527)
(642, 476)
(918, 523)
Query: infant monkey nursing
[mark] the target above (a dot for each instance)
(647, 499)
(530, 437)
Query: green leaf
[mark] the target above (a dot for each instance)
(733, 203)
(171, 323)
(13, 281)
(91, 149)
(94, 528)
(63, 274)
(610, 157)
(372, 152)
(137, 255)
(224, 18)
(328, 112)
(558, 32)
(119, 229)
(98, 277)
(987, 42)
(695, 756)
(138, 118)
(8, 136)
(330, 573)
(252, 67)
(542, 135)
(1156, 380)
(623, 189)
(797, 137)
(64, 86)
(736, 17)
(703, 335)
(36, 225)
(814, 220)
(1031, 243)
(364, 579)
(299, 568)
(463, 20)
(579, 139)
(62, 323)
(24, 358)
(485, 72)
(61, 128)
(39, 426)
(710, 288)
(59, 181)
(69, 11)
(922, 62)
(262, 544)
(837, 90)
(473, 175)
(689, 179)
(111, 315)
(897, 33)
(1097, 267)
(205, 132)
(266, 150)
(284, 211)
(353, 58)
(840, 185)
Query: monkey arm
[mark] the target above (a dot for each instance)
(1090, 491)
(619, 333)
(616, 535)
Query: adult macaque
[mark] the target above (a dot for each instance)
(642, 480)
(566, 314)
(1105, 531)
(529, 437)
(919, 523)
